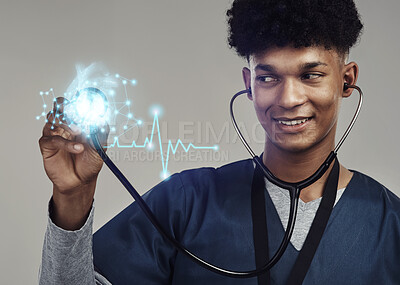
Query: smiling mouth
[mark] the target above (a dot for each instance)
(293, 122)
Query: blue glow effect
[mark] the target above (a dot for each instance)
(156, 110)
(87, 106)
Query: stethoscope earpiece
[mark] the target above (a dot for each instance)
(346, 86)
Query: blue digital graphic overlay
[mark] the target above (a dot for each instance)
(94, 100)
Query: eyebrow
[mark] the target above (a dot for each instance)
(304, 66)
(310, 65)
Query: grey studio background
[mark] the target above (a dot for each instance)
(177, 52)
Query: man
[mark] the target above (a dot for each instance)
(298, 72)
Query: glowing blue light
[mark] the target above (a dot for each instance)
(102, 130)
(44, 106)
(113, 129)
(127, 103)
(116, 112)
(43, 114)
(125, 127)
(117, 75)
(130, 116)
(156, 110)
(216, 147)
(47, 93)
(139, 122)
(88, 108)
(124, 82)
(164, 174)
(133, 82)
(37, 117)
(111, 92)
(41, 93)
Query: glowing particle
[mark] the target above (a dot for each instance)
(102, 130)
(94, 83)
(41, 93)
(124, 82)
(156, 110)
(164, 174)
(130, 116)
(133, 82)
(47, 93)
(43, 114)
(52, 127)
(150, 146)
(111, 92)
(116, 112)
(51, 89)
(139, 122)
(46, 121)
(216, 147)
(113, 129)
(117, 75)
(125, 127)
(65, 93)
(37, 117)
(127, 102)
(115, 139)
(87, 82)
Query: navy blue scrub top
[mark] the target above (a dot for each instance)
(209, 211)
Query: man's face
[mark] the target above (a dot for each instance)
(297, 94)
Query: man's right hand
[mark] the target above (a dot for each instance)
(73, 165)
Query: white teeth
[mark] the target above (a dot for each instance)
(293, 122)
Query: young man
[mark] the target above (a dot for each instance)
(297, 52)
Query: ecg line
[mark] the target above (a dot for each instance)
(149, 143)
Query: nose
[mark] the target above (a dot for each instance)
(290, 95)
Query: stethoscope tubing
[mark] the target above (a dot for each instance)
(294, 190)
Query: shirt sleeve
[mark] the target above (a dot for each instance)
(67, 256)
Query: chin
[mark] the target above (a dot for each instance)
(292, 145)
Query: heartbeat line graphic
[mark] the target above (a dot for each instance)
(148, 143)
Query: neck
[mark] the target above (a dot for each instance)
(295, 166)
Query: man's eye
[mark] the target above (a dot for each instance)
(310, 76)
(266, 79)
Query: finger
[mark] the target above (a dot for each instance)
(59, 103)
(56, 143)
(58, 125)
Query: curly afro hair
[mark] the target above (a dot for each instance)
(256, 25)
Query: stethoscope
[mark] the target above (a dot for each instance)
(293, 188)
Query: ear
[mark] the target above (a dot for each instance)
(350, 75)
(247, 81)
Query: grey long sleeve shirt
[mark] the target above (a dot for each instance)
(67, 256)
